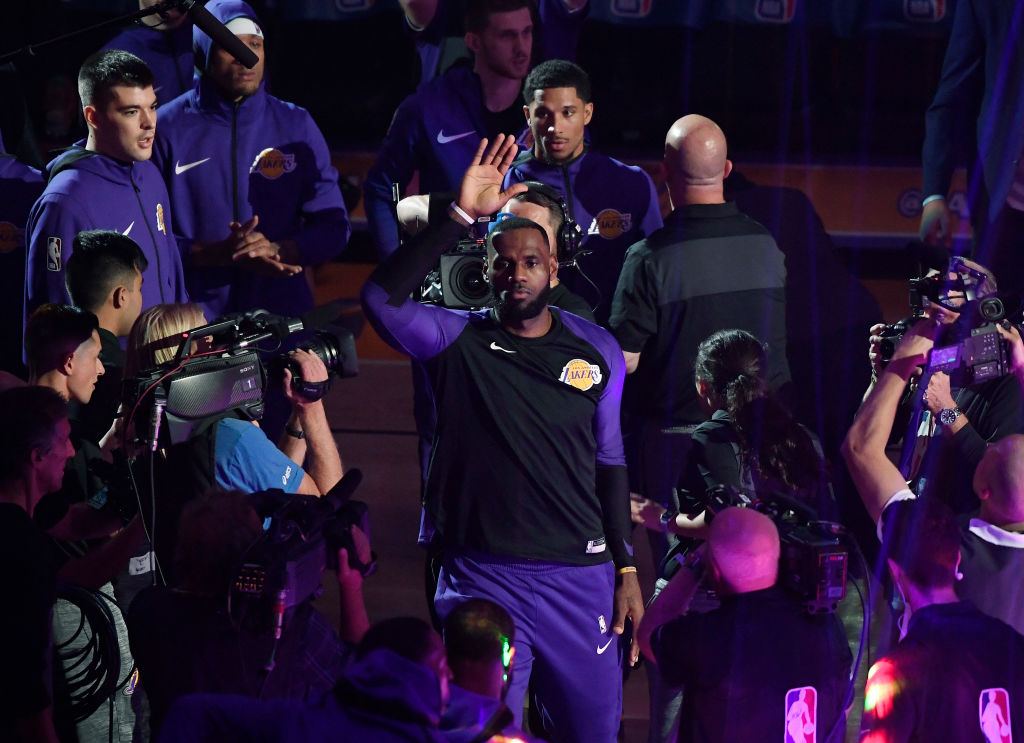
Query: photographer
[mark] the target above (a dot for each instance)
(991, 545)
(200, 636)
(753, 667)
(953, 422)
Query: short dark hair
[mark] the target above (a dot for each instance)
(52, 332)
(514, 223)
(106, 69)
(410, 637)
(922, 536)
(533, 196)
(478, 12)
(557, 73)
(214, 534)
(478, 630)
(101, 260)
(28, 421)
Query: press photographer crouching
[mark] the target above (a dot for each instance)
(963, 398)
(193, 396)
(205, 635)
(759, 667)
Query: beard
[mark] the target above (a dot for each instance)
(510, 312)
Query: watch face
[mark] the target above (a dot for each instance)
(948, 416)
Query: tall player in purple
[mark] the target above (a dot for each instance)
(527, 484)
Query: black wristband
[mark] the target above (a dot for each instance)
(295, 433)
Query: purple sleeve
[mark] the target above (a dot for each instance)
(395, 163)
(607, 428)
(652, 219)
(326, 228)
(52, 228)
(418, 330)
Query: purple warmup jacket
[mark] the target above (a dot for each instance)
(90, 191)
(225, 163)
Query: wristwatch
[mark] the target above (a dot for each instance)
(667, 518)
(948, 416)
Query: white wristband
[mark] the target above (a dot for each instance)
(453, 207)
(930, 199)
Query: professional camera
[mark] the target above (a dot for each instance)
(458, 281)
(218, 370)
(301, 538)
(961, 289)
(974, 352)
(813, 560)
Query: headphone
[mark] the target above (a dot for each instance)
(567, 239)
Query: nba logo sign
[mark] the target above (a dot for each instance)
(631, 8)
(801, 715)
(775, 11)
(994, 716)
(928, 11)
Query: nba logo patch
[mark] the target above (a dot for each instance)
(775, 11)
(631, 8)
(53, 262)
(801, 715)
(994, 716)
(927, 11)
(160, 218)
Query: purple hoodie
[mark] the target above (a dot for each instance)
(225, 162)
(90, 191)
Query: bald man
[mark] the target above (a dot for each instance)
(759, 667)
(709, 268)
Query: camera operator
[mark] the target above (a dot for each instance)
(991, 546)
(227, 451)
(760, 663)
(957, 674)
(197, 636)
(944, 447)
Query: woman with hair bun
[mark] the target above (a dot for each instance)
(750, 442)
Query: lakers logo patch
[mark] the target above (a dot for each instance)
(10, 237)
(160, 218)
(272, 164)
(610, 224)
(581, 374)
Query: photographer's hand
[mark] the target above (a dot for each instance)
(323, 463)
(352, 619)
(1013, 339)
(875, 350)
(480, 192)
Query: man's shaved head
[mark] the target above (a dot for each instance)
(695, 151)
(999, 481)
(744, 545)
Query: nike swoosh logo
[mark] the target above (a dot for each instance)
(496, 347)
(602, 648)
(179, 168)
(442, 139)
(128, 228)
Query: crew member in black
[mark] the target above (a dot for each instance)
(757, 662)
(957, 674)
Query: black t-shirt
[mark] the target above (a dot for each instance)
(958, 675)
(744, 664)
(29, 561)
